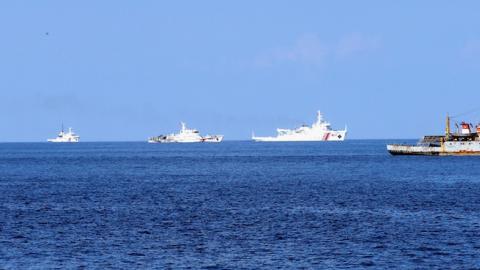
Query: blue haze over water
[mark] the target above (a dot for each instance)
(236, 205)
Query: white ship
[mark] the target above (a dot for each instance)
(66, 137)
(319, 131)
(186, 135)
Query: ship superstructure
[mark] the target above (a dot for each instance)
(464, 141)
(319, 131)
(185, 135)
(66, 137)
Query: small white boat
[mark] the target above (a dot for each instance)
(213, 138)
(319, 131)
(186, 135)
(66, 137)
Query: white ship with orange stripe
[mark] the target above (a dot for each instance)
(319, 131)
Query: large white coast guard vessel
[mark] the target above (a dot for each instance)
(66, 137)
(319, 131)
(186, 135)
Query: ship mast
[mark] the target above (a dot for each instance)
(447, 128)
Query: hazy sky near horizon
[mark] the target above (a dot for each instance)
(126, 70)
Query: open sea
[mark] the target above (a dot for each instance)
(236, 205)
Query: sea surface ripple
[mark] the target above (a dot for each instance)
(236, 205)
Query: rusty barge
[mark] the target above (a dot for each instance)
(465, 141)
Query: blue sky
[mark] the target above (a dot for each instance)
(126, 70)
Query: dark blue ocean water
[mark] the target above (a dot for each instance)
(236, 205)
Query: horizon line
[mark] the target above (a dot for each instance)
(230, 140)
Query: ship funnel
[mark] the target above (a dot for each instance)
(465, 128)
